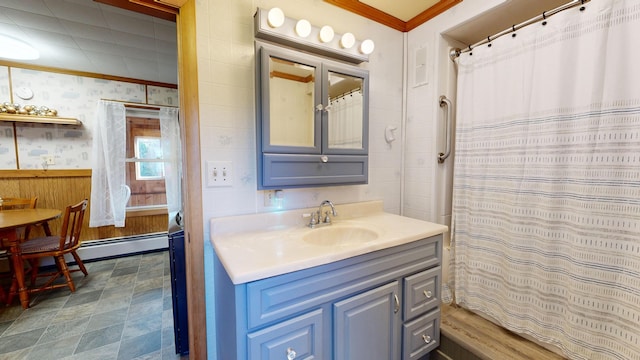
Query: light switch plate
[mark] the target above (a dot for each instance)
(219, 173)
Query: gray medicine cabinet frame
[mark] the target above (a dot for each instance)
(282, 167)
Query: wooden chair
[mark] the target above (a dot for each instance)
(11, 204)
(18, 203)
(57, 247)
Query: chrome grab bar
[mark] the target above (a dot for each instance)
(448, 128)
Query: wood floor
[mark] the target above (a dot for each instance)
(467, 336)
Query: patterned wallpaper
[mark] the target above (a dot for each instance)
(73, 96)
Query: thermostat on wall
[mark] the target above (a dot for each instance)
(24, 93)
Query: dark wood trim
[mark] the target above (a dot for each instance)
(86, 74)
(393, 22)
(287, 76)
(7, 174)
(133, 212)
(369, 12)
(154, 5)
(160, 11)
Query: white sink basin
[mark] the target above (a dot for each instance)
(340, 236)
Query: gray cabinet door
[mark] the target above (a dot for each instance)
(366, 326)
(298, 338)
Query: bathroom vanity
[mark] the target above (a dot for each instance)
(365, 287)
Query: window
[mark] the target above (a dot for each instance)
(145, 167)
(147, 152)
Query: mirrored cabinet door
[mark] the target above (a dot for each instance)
(345, 119)
(312, 124)
(290, 92)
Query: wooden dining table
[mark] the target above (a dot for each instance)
(11, 221)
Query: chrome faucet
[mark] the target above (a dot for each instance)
(317, 218)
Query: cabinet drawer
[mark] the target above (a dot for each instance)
(421, 292)
(421, 336)
(300, 337)
(293, 170)
(286, 295)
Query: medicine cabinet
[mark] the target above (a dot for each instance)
(312, 120)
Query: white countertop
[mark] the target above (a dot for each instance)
(257, 246)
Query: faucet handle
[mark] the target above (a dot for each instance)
(314, 217)
(327, 219)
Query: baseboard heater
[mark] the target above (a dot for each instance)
(93, 250)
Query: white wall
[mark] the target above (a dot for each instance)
(424, 116)
(227, 111)
(426, 195)
(73, 96)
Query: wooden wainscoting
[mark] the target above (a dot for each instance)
(59, 188)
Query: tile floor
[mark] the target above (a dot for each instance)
(121, 310)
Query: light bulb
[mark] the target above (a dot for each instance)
(303, 28)
(275, 17)
(347, 40)
(367, 46)
(326, 34)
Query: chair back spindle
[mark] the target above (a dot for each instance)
(72, 225)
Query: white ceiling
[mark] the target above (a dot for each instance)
(84, 35)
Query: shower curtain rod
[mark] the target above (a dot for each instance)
(345, 94)
(542, 17)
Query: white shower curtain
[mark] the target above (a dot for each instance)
(345, 126)
(546, 213)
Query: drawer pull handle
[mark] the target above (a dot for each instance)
(397, 307)
(428, 294)
(426, 338)
(291, 354)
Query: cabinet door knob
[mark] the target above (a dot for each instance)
(324, 158)
(427, 294)
(291, 354)
(426, 338)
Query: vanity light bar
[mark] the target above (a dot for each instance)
(301, 34)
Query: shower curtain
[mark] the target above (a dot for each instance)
(546, 199)
(344, 132)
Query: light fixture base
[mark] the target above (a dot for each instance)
(286, 35)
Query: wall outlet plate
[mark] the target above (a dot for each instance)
(219, 173)
(49, 159)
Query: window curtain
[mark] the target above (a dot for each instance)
(546, 198)
(172, 155)
(109, 192)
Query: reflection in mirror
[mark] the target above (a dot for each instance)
(291, 89)
(345, 111)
